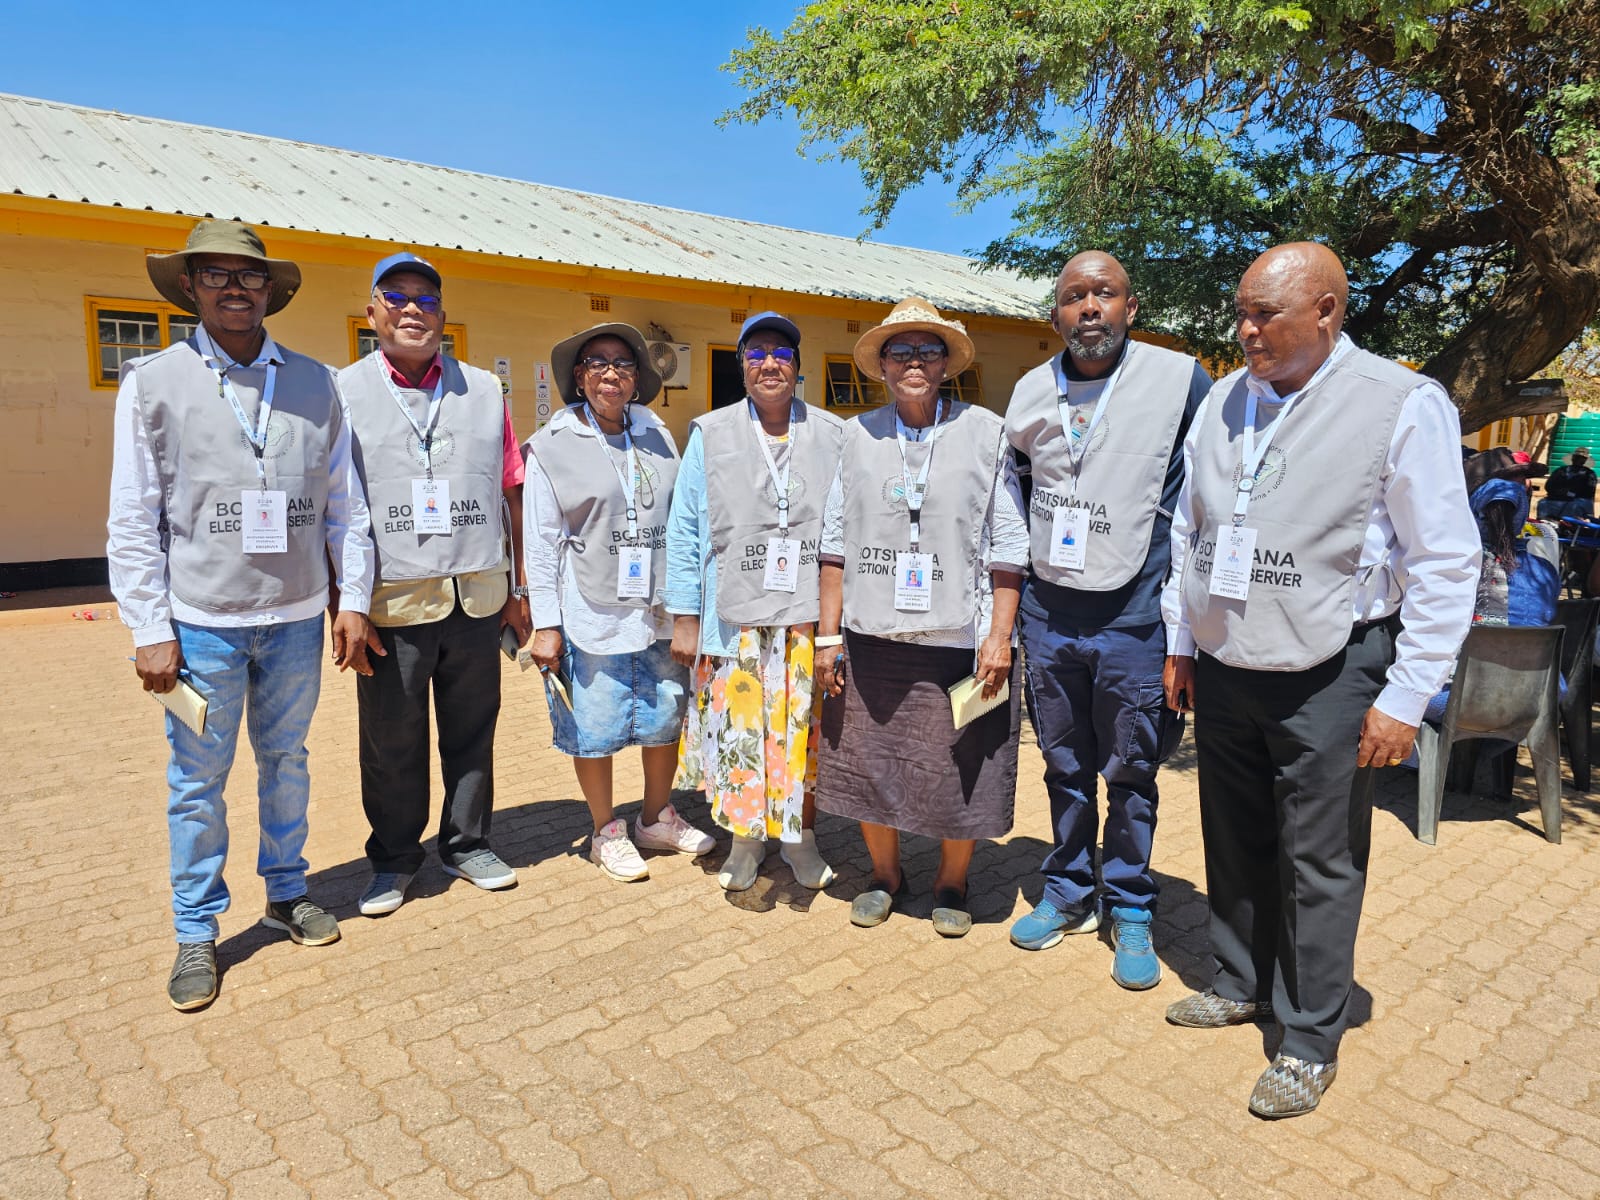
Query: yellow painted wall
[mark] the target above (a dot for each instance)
(56, 427)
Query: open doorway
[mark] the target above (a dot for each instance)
(727, 380)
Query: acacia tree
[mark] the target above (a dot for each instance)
(1448, 152)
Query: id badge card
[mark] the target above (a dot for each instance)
(1235, 556)
(430, 506)
(264, 527)
(633, 573)
(913, 582)
(783, 564)
(1069, 535)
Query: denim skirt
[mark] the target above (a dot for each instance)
(618, 700)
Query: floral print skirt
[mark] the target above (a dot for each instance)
(750, 738)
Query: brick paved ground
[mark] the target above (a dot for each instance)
(575, 1037)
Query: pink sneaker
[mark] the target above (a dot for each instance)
(671, 832)
(613, 853)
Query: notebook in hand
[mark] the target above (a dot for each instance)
(188, 705)
(967, 703)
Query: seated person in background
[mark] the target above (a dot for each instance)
(1569, 492)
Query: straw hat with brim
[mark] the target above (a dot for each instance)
(1499, 463)
(565, 356)
(221, 237)
(915, 315)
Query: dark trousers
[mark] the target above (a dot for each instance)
(460, 657)
(1287, 823)
(1097, 707)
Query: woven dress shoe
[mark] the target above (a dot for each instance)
(1207, 1010)
(1291, 1087)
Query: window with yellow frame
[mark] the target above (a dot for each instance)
(847, 387)
(118, 330)
(363, 341)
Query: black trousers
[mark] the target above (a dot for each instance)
(1287, 823)
(460, 657)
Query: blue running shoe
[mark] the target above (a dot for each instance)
(1046, 925)
(1134, 964)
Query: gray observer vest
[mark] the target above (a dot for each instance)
(204, 461)
(468, 452)
(1122, 473)
(742, 507)
(592, 503)
(1313, 494)
(877, 524)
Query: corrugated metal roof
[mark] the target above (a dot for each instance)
(62, 151)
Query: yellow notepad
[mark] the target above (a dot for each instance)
(188, 705)
(967, 703)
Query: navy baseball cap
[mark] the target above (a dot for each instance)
(776, 322)
(406, 261)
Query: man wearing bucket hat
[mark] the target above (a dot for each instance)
(1101, 426)
(232, 488)
(443, 475)
(600, 480)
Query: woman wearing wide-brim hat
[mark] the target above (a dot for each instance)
(599, 482)
(923, 550)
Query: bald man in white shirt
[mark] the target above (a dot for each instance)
(1324, 566)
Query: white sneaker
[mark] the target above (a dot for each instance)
(384, 894)
(671, 832)
(809, 869)
(613, 853)
(740, 868)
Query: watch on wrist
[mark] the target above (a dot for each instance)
(519, 593)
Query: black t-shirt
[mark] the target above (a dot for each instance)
(1570, 481)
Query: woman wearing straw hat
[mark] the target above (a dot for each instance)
(742, 574)
(599, 483)
(925, 512)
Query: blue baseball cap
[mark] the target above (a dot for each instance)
(406, 261)
(774, 321)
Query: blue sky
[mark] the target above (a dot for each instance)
(620, 98)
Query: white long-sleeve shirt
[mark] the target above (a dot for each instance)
(554, 599)
(1420, 529)
(138, 564)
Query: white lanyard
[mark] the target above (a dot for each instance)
(424, 433)
(214, 358)
(917, 490)
(630, 461)
(1078, 449)
(1254, 454)
(780, 481)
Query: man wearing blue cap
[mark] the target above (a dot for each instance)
(435, 448)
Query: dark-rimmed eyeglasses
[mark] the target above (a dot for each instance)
(399, 301)
(904, 352)
(595, 365)
(251, 279)
(754, 356)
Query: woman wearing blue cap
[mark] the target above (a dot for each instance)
(742, 580)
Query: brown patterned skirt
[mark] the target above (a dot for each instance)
(891, 753)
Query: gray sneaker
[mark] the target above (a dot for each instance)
(303, 921)
(384, 894)
(193, 982)
(483, 868)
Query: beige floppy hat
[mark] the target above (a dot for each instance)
(914, 315)
(221, 237)
(565, 356)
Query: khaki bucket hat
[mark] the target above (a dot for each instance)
(565, 356)
(914, 315)
(221, 237)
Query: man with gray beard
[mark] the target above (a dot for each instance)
(1102, 426)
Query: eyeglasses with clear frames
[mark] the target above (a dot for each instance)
(251, 279)
(399, 301)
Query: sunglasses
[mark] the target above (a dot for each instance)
(251, 279)
(904, 352)
(399, 300)
(596, 365)
(756, 355)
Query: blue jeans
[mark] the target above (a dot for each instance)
(273, 674)
(1098, 708)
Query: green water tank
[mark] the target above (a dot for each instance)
(1573, 433)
